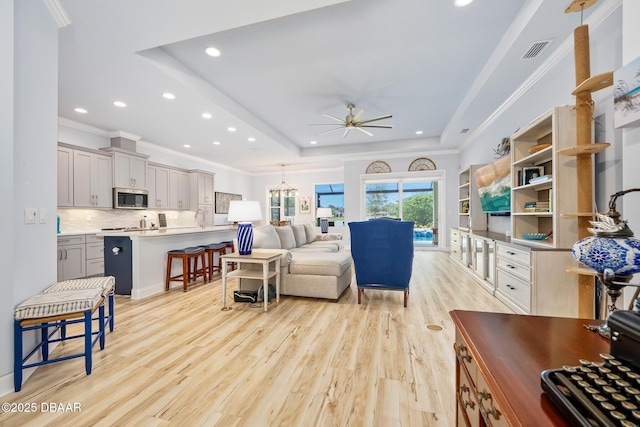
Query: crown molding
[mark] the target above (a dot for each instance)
(58, 13)
(123, 134)
(83, 127)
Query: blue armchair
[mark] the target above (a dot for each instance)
(382, 251)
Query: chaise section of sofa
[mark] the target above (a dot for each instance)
(310, 266)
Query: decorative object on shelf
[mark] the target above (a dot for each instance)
(422, 164)
(324, 214)
(538, 147)
(378, 167)
(243, 212)
(626, 96)
(530, 173)
(504, 147)
(612, 252)
(535, 236)
(304, 205)
(288, 190)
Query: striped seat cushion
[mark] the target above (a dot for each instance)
(58, 303)
(103, 283)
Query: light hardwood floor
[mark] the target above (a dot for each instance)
(176, 359)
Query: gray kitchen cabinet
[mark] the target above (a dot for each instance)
(92, 178)
(130, 170)
(94, 255)
(158, 186)
(179, 184)
(71, 257)
(65, 177)
(201, 189)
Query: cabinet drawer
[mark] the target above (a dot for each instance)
(70, 240)
(518, 270)
(488, 407)
(514, 255)
(468, 408)
(515, 289)
(95, 267)
(464, 356)
(95, 250)
(92, 238)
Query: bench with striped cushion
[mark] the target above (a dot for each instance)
(64, 303)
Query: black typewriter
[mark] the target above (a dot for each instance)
(604, 392)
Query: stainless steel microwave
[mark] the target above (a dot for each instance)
(127, 198)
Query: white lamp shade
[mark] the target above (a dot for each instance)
(244, 211)
(324, 213)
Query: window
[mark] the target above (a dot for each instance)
(282, 204)
(331, 196)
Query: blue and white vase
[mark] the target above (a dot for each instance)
(245, 238)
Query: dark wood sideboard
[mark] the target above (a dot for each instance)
(499, 358)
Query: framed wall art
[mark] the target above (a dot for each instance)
(304, 205)
(222, 201)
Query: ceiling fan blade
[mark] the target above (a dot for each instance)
(364, 131)
(333, 117)
(378, 126)
(388, 116)
(346, 131)
(329, 131)
(322, 124)
(358, 115)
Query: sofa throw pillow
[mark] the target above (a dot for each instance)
(265, 237)
(311, 232)
(299, 234)
(287, 241)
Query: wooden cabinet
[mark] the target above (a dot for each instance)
(158, 186)
(201, 189)
(130, 170)
(455, 244)
(94, 255)
(92, 178)
(71, 257)
(470, 214)
(179, 189)
(65, 177)
(545, 204)
(535, 281)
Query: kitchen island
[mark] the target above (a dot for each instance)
(139, 258)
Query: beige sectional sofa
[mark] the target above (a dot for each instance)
(312, 265)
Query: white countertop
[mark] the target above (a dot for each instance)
(163, 232)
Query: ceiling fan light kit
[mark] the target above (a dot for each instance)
(352, 121)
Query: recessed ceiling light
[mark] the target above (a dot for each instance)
(206, 115)
(119, 104)
(419, 132)
(81, 110)
(231, 129)
(168, 95)
(186, 146)
(313, 142)
(212, 51)
(251, 139)
(461, 3)
(216, 142)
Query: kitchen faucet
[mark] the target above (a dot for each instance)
(198, 212)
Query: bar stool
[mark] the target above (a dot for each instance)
(229, 249)
(210, 249)
(186, 255)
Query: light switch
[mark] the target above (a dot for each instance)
(30, 215)
(43, 216)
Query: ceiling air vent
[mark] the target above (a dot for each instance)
(536, 49)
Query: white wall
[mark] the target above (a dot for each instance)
(33, 169)
(6, 189)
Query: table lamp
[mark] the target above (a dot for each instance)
(612, 252)
(243, 212)
(324, 214)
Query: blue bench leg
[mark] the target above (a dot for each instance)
(44, 334)
(101, 325)
(63, 332)
(17, 355)
(111, 310)
(87, 341)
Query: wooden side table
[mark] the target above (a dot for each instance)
(265, 259)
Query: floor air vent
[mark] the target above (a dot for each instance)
(536, 49)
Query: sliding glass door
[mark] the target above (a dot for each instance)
(406, 198)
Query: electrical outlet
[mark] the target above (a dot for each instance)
(30, 215)
(43, 216)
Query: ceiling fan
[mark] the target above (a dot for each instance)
(353, 121)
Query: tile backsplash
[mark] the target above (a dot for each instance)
(73, 220)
